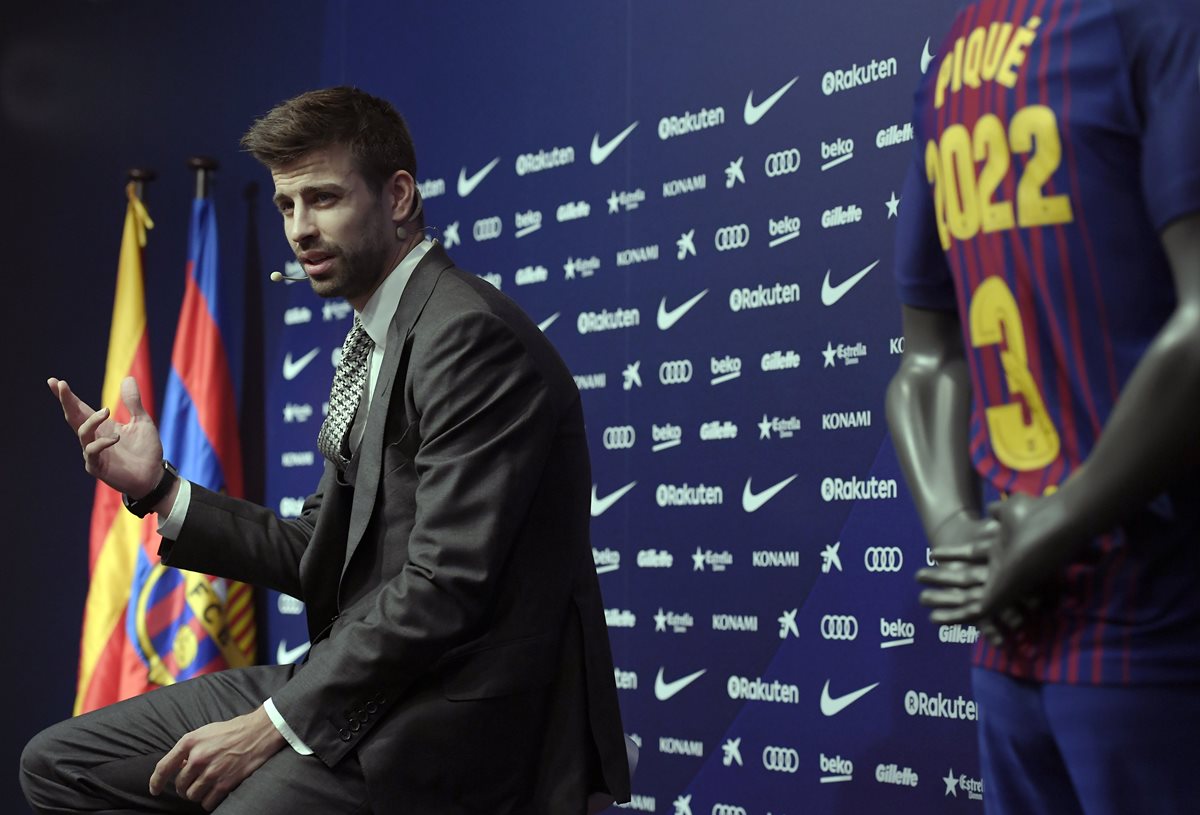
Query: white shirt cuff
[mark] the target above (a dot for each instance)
(285, 731)
(169, 527)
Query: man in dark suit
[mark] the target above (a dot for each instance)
(460, 661)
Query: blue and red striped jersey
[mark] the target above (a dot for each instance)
(1056, 139)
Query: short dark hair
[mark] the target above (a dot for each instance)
(370, 127)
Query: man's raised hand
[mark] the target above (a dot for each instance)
(127, 457)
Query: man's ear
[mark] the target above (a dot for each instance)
(401, 190)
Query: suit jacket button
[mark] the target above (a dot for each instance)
(356, 727)
(372, 708)
(345, 734)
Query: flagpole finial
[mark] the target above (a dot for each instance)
(202, 166)
(139, 176)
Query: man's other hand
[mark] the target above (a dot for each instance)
(209, 763)
(127, 457)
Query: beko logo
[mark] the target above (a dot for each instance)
(780, 294)
(896, 134)
(655, 559)
(572, 211)
(783, 230)
(718, 431)
(835, 153)
(680, 747)
(580, 267)
(675, 372)
(290, 507)
(895, 633)
(735, 236)
(665, 436)
(892, 774)
(298, 413)
(671, 126)
(526, 222)
(625, 200)
(919, 703)
(685, 495)
(626, 680)
(619, 437)
(839, 627)
(836, 769)
(840, 216)
(591, 382)
(606, 560)
(296, 316)
(780, 759)
(619, 618)
(855, 489)
(883, 559)
(300, 458)
(590, 322)
(734, 622)
(727, 809)
(545, 160)
(640, 254)
(858, 75)
(782, 162)
(845, 419)
(532, 274)
(486, 229)
(757, 690)
(725, 369)
(432, 187)
(682, 186)
(768, 559)
(780, 361)
(958, 634)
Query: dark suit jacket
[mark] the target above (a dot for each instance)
(460, 648)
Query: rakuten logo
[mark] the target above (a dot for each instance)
(780, 361)
(432, 187)
(626, 680)
(756, 690)
(590, 322)
(857, 75)
(780, 294)
(836, 769)
(919, 703)
(685, 495)
(670, 127)
(841, 216)
(855, 489)
(527, 163)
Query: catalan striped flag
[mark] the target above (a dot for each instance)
(108, 669)
(183, 624)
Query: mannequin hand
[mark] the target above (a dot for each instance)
(127, 457)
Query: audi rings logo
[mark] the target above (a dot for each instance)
(731, 237)
(883, 559)
(728, 809)
(619, 437)
(675, 372)
(780, 759)
(782, 163)
(839, 627)
(486, 229)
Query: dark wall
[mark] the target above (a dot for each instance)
(88, 90)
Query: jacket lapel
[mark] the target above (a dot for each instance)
(370, 451)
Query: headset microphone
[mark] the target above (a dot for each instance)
(280, 277)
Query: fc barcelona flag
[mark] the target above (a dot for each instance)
(108, 669)
(181, 623)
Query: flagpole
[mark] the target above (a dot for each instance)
(203, 166)
(140, 176)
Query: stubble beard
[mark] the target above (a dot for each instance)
(355, 271)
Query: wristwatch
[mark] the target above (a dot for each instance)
(142, 506)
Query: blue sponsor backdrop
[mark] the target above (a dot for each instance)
(696, 200)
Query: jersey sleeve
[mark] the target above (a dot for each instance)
(923, 277)
(1162, 46)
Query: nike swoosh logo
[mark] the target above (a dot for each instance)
(286, 656)
(600, 153)
(466, 186)
(926, 56)
(833, 705)
(292, 368)
(666, 319)
(602, 505)
(754, 112)
(751, 502)
(831, 294)
(549, 321)
(665, 690)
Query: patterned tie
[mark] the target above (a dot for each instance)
(348, 383)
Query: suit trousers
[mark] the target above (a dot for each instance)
(101, 762)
